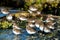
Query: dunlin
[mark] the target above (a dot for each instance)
(4, 11)
(22, 18)
(33, 8)
(9, 17)
(46, 30)
(30, 30)
(37, 23)
(50, 25)
(15, 26)
(31, 20)
(31, 24)
(42, 26)
(16, 29)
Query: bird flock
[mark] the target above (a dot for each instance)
(36, 22)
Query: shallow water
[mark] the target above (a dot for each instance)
(8, 35)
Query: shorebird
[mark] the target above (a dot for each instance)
(50, 17)
(37, 23)
(31, 20)
(4, 11)
(33, 8)
(9, 17)
(22, 18)
(47, 30)
(30, 30)
(38, 12)
(31, 24)
(16, 29)
(50, 25)
(47, 20)
(15, 26)
(41, 27)
(30, 11)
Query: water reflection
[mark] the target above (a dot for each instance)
(16, 37)
(8, 35)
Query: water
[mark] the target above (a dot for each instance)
(8, 35)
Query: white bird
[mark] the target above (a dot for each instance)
(30, 11)
(50, 25)
(52, 18)
(32, 8)
(9, 17)
(22, 18)
(38, 12)
(31, 20)
(15, 26)
(4, 11)
(46, 30)
(37, 25)
(16, 29)
(30, 30)
(31, 24)
(41, 27)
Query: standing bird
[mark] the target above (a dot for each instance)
(47, 30)
(9, 17)
(31, 20)
(49, 18)
(5, 11)
(51, 25)
(31, 24)
(22, 18)
(16, 29)
(37, 23)
(41, 27)
(30, 30)
(32, 9)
